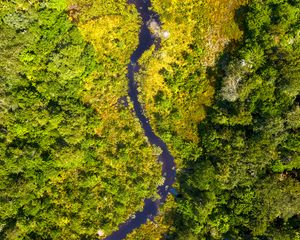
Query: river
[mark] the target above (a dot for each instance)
(146, 40)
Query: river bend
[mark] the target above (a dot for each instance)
(146, 40)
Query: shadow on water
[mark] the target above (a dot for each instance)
(146, 40)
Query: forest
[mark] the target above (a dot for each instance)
(222, 91)
(72, 154)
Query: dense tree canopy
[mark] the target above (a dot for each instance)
(73, 156)
(246, 182)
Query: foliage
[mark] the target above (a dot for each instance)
(245, 185)
(72, 153)
(73, 157)
(174, 87)
(157, 229)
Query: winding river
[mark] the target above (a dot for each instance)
(150, 210)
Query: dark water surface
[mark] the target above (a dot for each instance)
(146, 40)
